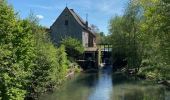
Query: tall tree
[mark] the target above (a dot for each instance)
(125, 36)
(17, 54)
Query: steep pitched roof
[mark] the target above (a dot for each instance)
(80, 21)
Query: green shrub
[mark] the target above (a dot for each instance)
(74, 47)
(62, 59)
(29, 62)
(17, 49)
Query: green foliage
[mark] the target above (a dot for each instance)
(14, 42)
(156, 29)
(29, 62)
(45, 63)
(74, 48)
(142, 36)
(124, 37)
(62, 59)
(50, 63)
(101, 38)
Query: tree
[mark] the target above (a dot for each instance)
(124, 36)
(94, 29)
(131, 19)
(17, 54)
(29, 62)
(155, 32)
(50, 63)
(141, 36)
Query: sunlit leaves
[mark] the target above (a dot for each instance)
(73, 47)
(29, 62)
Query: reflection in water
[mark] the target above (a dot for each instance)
(107, 86)
(135, 92)
(103, 88)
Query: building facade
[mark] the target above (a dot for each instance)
(69, 24)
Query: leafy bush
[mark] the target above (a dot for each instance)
(74, 47)
(16, 47)
(29, 62)
(50, 63)
(62, 60)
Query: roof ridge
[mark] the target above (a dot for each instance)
(80, 20)
(77, 16)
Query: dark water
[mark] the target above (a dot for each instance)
(108, 86)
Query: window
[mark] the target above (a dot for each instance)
(66, 22)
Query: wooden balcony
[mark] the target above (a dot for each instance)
(91, 49)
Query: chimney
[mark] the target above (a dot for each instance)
(71, 9)
(86, 20)
(86, 24)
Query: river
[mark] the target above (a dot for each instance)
(106, 85)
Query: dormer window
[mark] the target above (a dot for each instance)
(66, 22)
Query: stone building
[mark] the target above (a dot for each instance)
(71, 24)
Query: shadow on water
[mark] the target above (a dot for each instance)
(105, 85)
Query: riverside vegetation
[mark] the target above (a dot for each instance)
(29, 63)
(141, 37)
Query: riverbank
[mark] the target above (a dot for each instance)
(145, 76)
(72, 71)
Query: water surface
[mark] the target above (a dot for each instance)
(106, 85)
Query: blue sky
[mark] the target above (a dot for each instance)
(99, 11)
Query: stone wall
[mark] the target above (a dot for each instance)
(60, 30)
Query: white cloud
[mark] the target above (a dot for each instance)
(40, 16)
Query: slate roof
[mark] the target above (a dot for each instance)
(80, 21)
